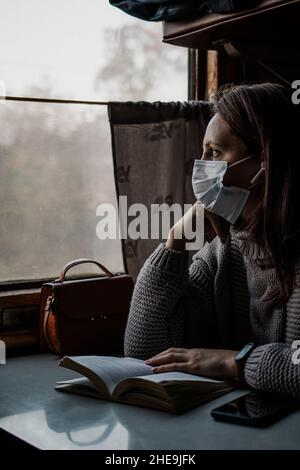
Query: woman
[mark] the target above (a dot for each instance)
(244, 285)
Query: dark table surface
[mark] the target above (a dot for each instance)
(31, 410)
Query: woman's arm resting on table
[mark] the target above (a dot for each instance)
(272, 368)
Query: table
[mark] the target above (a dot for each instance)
(33, 412)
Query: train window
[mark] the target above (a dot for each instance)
(56, 164)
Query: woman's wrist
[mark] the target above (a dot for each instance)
(230, 365)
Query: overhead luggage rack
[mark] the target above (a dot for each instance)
(267, 34)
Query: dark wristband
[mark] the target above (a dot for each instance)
(241, 359)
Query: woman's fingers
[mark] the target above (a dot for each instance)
(173, 367)
(167, 359)
(173, 359)
(167, 351)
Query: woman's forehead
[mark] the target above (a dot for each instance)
(217, 131)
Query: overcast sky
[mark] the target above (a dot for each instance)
(59, 42)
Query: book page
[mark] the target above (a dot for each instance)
(181, 382)
(111, 369)
(171, 391)
(178, 376)
(81, 386)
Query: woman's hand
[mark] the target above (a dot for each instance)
(213, 225)
(213, 363)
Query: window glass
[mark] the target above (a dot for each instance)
(56, 168)
(79, 49)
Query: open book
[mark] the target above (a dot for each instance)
(131, 381)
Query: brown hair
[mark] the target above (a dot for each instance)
(265, 119)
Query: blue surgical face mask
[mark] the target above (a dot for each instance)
(226, 201)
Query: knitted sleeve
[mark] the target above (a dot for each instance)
(166, 303)
(275, 367)
(272, 368)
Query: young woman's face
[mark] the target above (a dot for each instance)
(220, 144)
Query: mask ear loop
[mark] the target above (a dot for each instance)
(258, 175)
(240, 161)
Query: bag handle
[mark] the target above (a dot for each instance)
(76, 262)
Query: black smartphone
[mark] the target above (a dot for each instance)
(255, 409)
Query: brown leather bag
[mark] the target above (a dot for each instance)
(85, 316)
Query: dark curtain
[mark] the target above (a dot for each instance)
(154, 147)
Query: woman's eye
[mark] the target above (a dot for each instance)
(215, 153)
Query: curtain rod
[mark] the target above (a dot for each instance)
(52, 100)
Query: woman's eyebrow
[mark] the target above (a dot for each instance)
(211, 142)
(218, 144)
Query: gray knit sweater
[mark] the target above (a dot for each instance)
(220, 301)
